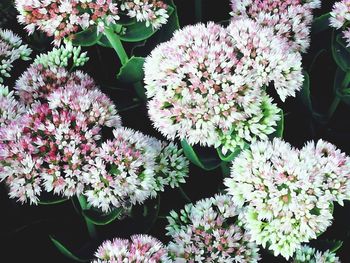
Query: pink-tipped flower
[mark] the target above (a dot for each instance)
(210, 231)
(340, 18)
(152, 12)
(206, 84)
(140, 248)
(53, 145)
(63, 18)
(289, 19)
(288, 193)
(131, 168)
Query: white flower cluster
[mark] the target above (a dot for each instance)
(11, 49)
(307, 254)
(209, 231)
(288, 19)
(207, 84)
(131, 168)
(340, 18)
(288, 193)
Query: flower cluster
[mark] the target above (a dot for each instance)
(340, 17)
(131, 168)
(206, 84)
(10, 109)
(152, 12)
(307, 254)
(288, 19)
(205, 232)
(11, 49)
(62, 18)
(288, 193)
(140, 248)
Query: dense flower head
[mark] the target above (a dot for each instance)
(287, 192)
(209, 231)
(307, 254)
(152, 12)
(10, 109)
(140, 248)
(206, 84)
(289, 19)
(11, 49)
(62, 18)
(52, 145)
(340, 18)
(131, 168)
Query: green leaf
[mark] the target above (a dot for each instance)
(97, 218)
(321, 23)
(305, 92)
(341, 54)
(280, 127)
(342, 85)
(230, 155)
(132, 71)
(86, 38)
(53, 202)
(205, 164)
(65, 251)
(332, 245)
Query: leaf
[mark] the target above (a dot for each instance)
(205, 164)
(53, 202)
(341, 54)
(321, 23)
(331, 245)
(132, 71)
(305, 92)
(342, 85)
(97, 218)
(230, 155)
(86, 38)
(65, 251)
(280, 127)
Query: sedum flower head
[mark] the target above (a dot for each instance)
(131, 168)
(51, 147)
(152, 12)
(284, 204)
(288, 19)
(10, 109)
(340, 18)
(63, 18)
(11, 49)
(307, 254)
(207, 232)
(140, 248)
(206, 84)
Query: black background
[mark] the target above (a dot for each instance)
(25, 230)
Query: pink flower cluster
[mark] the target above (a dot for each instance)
(288, 193)
(51, 145)
(63, 18)
(207, 84)
(340, 18)
(140, 248)
(289, 19)
(204, 232)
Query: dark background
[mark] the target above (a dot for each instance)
(25, 230)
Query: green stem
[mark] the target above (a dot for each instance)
(198, 10)
(90, 226)
(336, 99)
(154, 219)
(130, 107)
(117, 45)
(184, 195)
(225, 169)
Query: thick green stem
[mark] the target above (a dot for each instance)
(198, 10)
(117, 45)
(90, 226)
